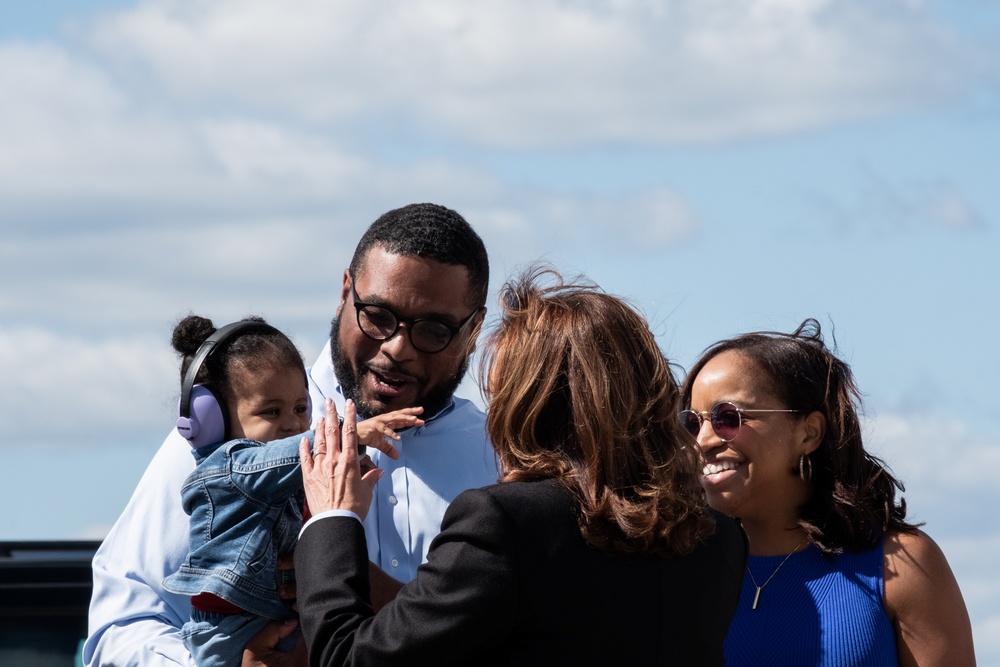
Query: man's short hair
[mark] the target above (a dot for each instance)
(432, 232)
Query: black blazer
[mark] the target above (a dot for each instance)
(510, 581)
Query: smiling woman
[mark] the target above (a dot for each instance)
(836, 575)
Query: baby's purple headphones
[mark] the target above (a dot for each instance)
(202, 415)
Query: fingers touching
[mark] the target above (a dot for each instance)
(331, 472)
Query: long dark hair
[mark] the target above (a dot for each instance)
(579, 391)
(853, 502)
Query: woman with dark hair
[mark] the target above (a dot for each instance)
(596, 547)
(836, 575)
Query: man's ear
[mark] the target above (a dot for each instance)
(813, 430)
(344, 291)
(477, 325)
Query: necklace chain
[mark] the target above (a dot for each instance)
(759, 588)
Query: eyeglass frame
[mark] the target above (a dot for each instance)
(410, 322)
(702, 418)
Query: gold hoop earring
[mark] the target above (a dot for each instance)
(805, 468)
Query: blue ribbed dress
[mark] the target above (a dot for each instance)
(817, 610)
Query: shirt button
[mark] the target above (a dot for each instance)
(394, 562)
(393, 500)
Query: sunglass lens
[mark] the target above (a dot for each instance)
(726, 421)
(690, 422)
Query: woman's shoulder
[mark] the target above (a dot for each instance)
(504, 506)
(507, 492)
(906, 550)
(914, 569)
(924, 602)
(517, 499)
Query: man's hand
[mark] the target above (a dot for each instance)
(262, 651)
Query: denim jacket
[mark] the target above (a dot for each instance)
(245, 501)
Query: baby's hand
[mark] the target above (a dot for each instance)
(373, 431)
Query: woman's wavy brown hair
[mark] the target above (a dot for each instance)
(579, 391)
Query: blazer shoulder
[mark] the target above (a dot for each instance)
(544, 492)
(532, 503)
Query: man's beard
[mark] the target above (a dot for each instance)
(433, 401)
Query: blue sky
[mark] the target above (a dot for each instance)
(726, 166)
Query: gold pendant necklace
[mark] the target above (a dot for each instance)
(756, 596)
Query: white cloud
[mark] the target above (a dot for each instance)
(255, 155)
(935, 204)
(70, 392)
(885, 206)
(81, 152)
(514, 73)
(945, 204)
(934, 455)
(639, 223)
(69, 129)
(63, 121)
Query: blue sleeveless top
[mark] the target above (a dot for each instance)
(819, 610)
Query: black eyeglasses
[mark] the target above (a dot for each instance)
(426, 334)
(725, 418)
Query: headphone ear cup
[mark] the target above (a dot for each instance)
(206, 424)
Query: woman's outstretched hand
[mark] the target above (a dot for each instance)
(331, 472)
